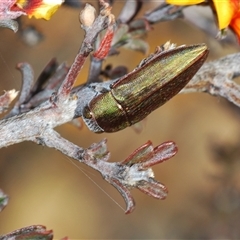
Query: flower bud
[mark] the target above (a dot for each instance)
(87, 15)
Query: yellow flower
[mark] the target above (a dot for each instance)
(39, 8)
(184, 2)
(226, 11)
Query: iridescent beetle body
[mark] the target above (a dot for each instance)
(150, 85)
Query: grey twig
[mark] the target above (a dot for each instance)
(133, 172)
(130, 10)
(217, 79)
(164, 12)
(9, 23)
(27, 84)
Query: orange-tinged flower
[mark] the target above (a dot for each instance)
(39, 8)
(235, 24)
(227, 12)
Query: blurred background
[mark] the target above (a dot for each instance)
(45, 187)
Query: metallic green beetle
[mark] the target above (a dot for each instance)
(156, 80)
